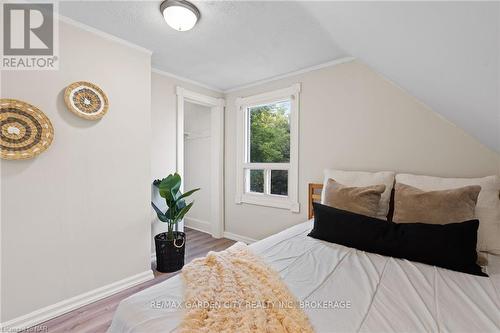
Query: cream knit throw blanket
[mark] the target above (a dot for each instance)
(234, 291)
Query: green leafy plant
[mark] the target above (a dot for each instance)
(270, 143)
(170, 190)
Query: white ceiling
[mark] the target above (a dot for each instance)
(234, 43)
(444, 53)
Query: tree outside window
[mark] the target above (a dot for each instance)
(269, 142)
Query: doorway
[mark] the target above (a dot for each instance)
(200, 147)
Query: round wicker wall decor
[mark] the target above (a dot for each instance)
(86, 100)
(25, 130)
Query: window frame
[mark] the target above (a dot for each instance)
(243, 195)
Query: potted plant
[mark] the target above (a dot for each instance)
(170, 245)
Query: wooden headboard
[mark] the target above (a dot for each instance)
(314, 196)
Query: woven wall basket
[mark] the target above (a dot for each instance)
(25, 130)
(86, 100)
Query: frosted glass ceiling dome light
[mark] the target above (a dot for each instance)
(180, 15)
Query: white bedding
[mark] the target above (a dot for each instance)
(357, 291)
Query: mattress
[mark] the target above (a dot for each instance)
(345, 290)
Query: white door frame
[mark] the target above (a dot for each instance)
(216, 106)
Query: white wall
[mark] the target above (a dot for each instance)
(164, 129)
(197, 165)
(76, 218)
(352, 118)
(164, 118)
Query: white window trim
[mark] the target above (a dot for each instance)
(291, 201)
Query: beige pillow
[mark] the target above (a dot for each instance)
(487, 208)
(359, 200)
(363, 178)
(436, 207)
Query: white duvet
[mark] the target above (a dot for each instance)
(346, 290)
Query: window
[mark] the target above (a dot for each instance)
(268, 149)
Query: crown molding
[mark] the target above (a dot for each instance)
(102, 34)
(119, 40)
(257, 83)
(185, 79)
(298, 72)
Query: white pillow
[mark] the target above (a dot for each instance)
(487, 207)
(362, 178)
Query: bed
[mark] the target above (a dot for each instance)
(346, 290)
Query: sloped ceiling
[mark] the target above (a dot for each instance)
(446, 54)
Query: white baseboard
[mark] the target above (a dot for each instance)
(239, 238)
(228, 235)
(59, 308)
(197, 224)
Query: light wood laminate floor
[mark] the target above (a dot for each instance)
(96, 317)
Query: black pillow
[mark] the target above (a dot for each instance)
(451, 246)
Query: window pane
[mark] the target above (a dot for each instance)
(279, 182)
(257, 181)
(269, 133)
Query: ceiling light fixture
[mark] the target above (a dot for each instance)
(180, 15)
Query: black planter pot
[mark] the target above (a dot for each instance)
(170, 253)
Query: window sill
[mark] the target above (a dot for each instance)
(269, 201)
